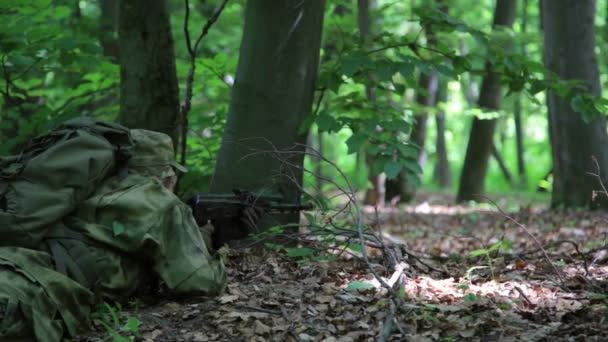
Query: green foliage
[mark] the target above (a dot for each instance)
(109, 317)
(52, 68)
(356, 286)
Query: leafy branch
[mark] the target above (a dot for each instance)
(192, 51)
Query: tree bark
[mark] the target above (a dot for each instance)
(442, 174)
(108, 21)
(517, 110)
(149, 94)
(480, 143)
(569, 52)
(426, 96)
(501, 164)
(271, 97)
(374, 195)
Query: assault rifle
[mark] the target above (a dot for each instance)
(212, 207)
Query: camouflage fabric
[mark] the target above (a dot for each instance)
(153, 154)
(53, 174)
(36, 302)
(134, 223)
(108, 243)
(140, 219)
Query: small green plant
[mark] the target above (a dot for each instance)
(463, 287)
(108, 316)
(471, 297)
(504, 244)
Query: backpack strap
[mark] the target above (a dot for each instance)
(73, 258)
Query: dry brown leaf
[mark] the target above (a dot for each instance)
(260, 328)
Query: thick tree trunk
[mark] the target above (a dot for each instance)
(442, 173)
(570, 53)
(272, 95)
(149, 94)
(480, 143)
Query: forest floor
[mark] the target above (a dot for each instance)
(466, 292)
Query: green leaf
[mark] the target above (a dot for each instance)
(412, 166)
(351, 64)
(299, 252)
(413, 179)
(355, 142)
(355, 247)
(408, 150)
(402, 292)
(399, 88)
(132, 325)
(61, 12)
(355, 286)
(392, 169)
(327, 123)
(406, 69)
(449, 72)
(478, 252)
(276, 229)
(384, 70)
(471, 297)
(460, 64)
(118, 228)
(536, 86)
(309, 217)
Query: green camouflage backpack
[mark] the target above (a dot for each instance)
(54, 173)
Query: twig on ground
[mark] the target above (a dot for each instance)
(523, 295)
(362, 235)
(527, 231)
(255, 308)
(597, 175)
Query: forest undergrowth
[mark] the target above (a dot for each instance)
(470, 274)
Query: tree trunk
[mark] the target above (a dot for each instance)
(108, 28)
(501, 164)
(375, 194)
(149, 94)
(570, 53)
(426, 96)
(442, 174)
(272, 95)
(517, 110)
(480, 143)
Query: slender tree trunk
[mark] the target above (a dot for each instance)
(108, 22)
(570, 53)
(517, 110)
(480, 143)
(149, 94)
(501, 164)
(426, 96)
(519, 141)
(442, 174)
(319, 164)
(374, 195)
(272, 95)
